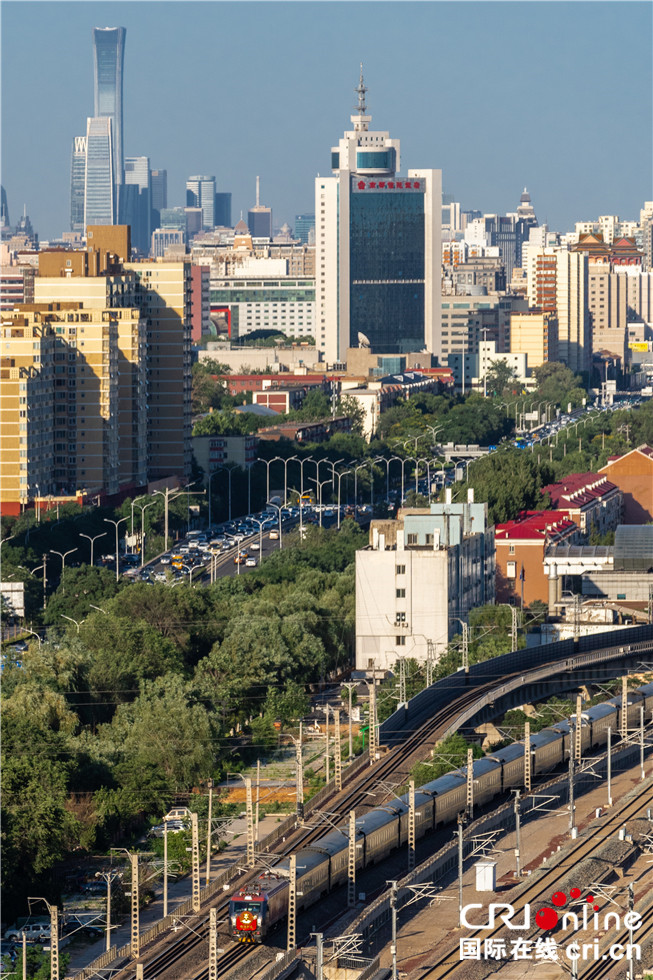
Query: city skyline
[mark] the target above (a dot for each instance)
(525, 80)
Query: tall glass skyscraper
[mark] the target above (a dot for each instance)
(378, 247)
(78, 184)
(100, 197)
(108, 59)
(200, 193)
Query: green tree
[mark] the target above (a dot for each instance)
(166, 729)
(499, 377)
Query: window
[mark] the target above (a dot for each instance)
(429, 539)
(511, 569)
(412, 539)
(400, 569)
(400, 617)
(400, 641)
(511, 549)
(401, 593)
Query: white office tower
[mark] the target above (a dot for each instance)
(378, 247)
(100, 182)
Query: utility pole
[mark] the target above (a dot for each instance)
(292, 903)
(578, 742)
(165, 869)
(109, 877)
(336, 750)
(258, 798)
(402, 680)
(465, 647)
(527, 756)
(54, 942)
(513, 629)
(641, 743)
(350, 685)
(393, 946)
(319, 956)
(135, 945)
(299, 765)
(213, 944)
(572, 822)
(208, 833)
(195, 855)
(470, 783)
(460, 869)
(624, 707)
(250, 824)
(609, 747)
(411, 824)
(650, 602)
(351, 866)
(517, 834)
(327, 768)
(430, 659)
(372, 717)
(24, 956)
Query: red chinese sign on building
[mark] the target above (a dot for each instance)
(373, 185)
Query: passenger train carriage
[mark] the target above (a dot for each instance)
(323, 865)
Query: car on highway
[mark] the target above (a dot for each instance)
(241, 558)
(250, 562)
(255, 546)
(165, 560)
(274, 534)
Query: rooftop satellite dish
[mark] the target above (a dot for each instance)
(363, 340)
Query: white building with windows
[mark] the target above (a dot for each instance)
(418, 578)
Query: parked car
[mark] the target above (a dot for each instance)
(178, 813)
(35, 931)
(172, 826)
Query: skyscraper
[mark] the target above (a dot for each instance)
(259, 218)
(223, 209)
(200, 193)
(159, 184)
(100, 184)
(108, 59)
(137, 210)
(77, 184)
(305, 228)
(378, 247)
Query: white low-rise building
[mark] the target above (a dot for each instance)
(417, 580)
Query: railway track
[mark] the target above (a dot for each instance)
(538, 893)
(397, 761)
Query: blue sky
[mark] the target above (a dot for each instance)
(550, 95)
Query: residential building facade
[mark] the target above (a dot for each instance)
(418, 577)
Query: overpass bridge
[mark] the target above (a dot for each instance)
(530, 674)
(455, 451)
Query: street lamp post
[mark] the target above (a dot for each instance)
(320, 484)
(339, 478)
(361, 466)
(27, 630)
(132, 523)
(116, 525)
(171, 493)
(406, 459)
(211, 475)
(278, 509)
(63, 564)
(143, 508)
(95, 537)
(45, 581)
(71, 620)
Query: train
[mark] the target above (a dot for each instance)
(323, 865)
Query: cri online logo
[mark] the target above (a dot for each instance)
(547, 918)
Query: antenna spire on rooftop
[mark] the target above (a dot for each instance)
(361, 89)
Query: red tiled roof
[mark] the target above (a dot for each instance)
(643, 449)
(534, 525)
(579, 489)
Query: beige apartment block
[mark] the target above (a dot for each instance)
(26, 394)
(607, 303)
(535, 334)
(558, 281)
(164, 296)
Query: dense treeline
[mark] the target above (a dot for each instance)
(111, 717)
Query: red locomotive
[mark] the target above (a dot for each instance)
(255, 910)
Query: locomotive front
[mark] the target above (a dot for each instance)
(247, 915)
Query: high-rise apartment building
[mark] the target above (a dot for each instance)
(159, 184)
(136, 202)
(77, 184)
(118, 412)
(99, 179)
(557, 282)
(378, 246)
(108, 61)
(535, 333)
(200, 193)
(259, 218)
(223, 209)
(164, 293)
(305, 228)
